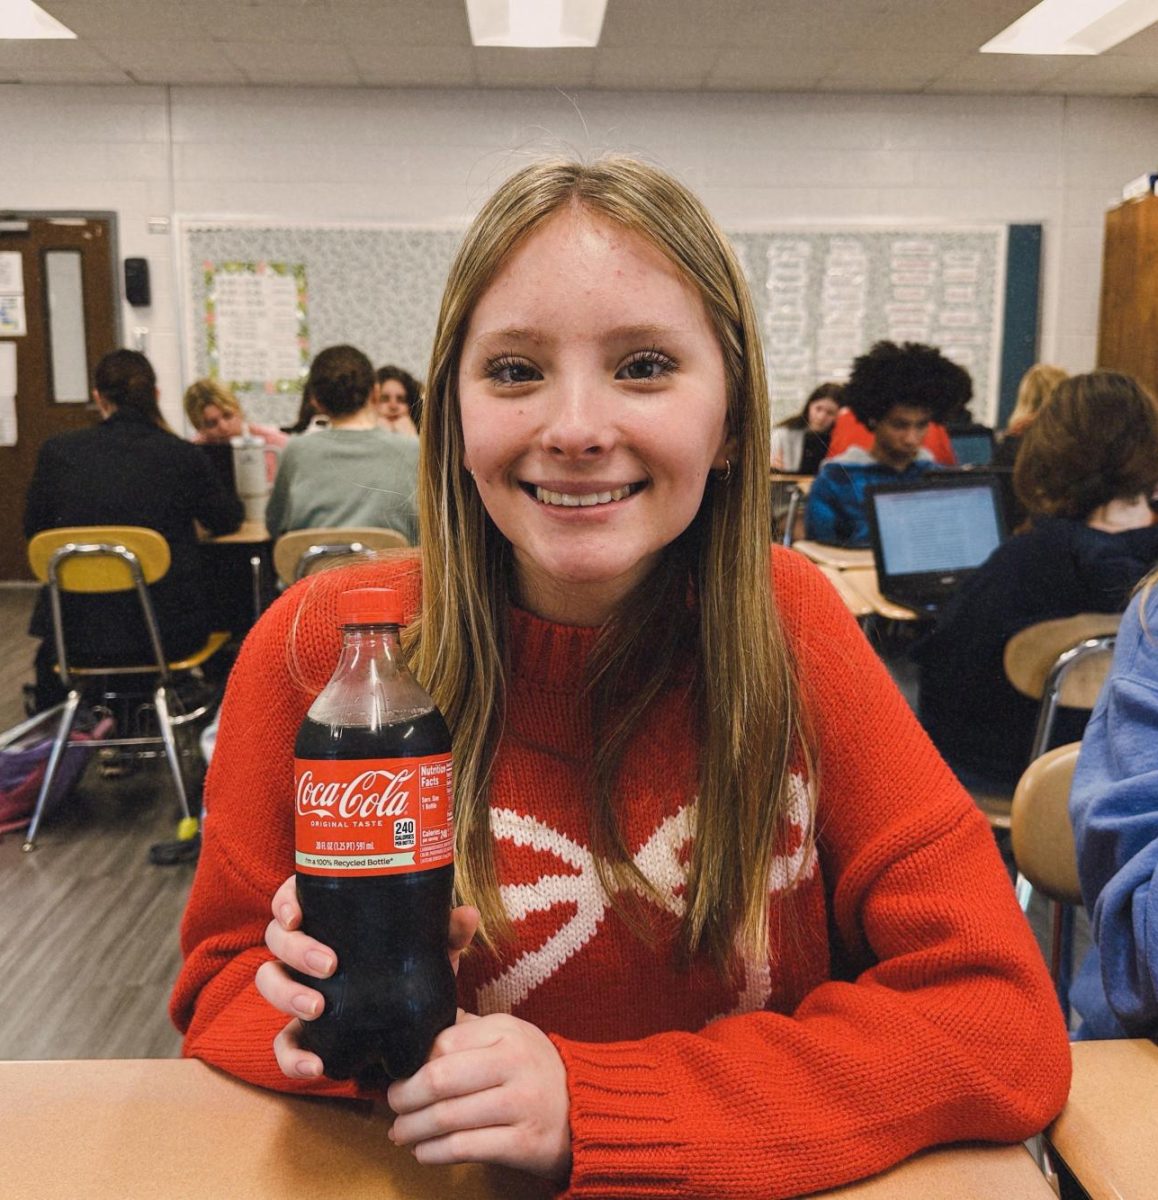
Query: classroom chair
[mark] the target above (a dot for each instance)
(1043, 848)
(1061, 662)
(301, 551)
(101, 559)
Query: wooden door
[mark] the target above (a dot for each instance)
(1128, 321)
(69, 282)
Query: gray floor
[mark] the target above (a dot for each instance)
(89, 950)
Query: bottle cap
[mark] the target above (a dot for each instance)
(370, 606)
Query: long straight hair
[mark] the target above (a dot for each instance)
(746, 705)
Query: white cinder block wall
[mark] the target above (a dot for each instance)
(433, 156)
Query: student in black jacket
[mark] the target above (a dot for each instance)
(130, 469)
(1085, 471)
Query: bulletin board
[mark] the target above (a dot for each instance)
(823, 294)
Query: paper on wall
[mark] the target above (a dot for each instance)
(12, 322)
(7, 393)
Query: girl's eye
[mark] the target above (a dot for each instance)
(647, 364)
(508, 371)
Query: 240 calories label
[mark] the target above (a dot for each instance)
(373, 816)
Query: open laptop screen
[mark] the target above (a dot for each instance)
(972, 448)
(928, 536)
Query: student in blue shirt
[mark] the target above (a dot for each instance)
(895, 391)
(1114, 810)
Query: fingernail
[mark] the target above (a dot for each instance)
(305, 1006)
(319, 962)
(286, 914)
(310, 1068)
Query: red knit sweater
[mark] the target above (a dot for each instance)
(903, 1002)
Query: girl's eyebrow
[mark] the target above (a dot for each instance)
(620, 333)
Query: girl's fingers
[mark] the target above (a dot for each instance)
(291, 1058)
(300, 951)
(286, 910)
(284, 992)
(446, 1078)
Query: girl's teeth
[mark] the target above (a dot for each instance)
(568, 500)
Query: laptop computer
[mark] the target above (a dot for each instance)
(972, 447)
(928, 536)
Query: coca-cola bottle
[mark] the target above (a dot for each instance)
(374, 831)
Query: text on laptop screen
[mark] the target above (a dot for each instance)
(937, 529)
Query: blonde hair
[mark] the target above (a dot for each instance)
(1032, 392)
(746, 703)
(200, 394)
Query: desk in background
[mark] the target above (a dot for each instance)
(1107, 1135)
(174, 1129)
(237, 571)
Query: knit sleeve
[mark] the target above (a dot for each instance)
(939, 1025)
(247, 849)
(1114, 808)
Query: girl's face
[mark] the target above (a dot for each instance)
(392, 403)
(822, 414)
(218, 425)
(593, 407)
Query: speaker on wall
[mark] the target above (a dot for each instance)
(137, 282)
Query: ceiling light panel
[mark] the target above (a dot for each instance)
(535, 23)
(21, 19)
(1074, 27)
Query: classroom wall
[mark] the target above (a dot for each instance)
(433, 156)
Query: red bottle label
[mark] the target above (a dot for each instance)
(373, 816)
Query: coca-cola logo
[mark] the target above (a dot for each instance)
(373, 793)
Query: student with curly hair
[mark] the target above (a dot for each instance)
(895, 391)
(1084, 473)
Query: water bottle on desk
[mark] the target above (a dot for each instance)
(251, 474)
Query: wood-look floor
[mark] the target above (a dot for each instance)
(88, 950)
(88, 927)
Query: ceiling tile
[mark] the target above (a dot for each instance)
(304, 65)
(660, 69)
(185, 61)
(497, 66)
(403, 22)
(414, 66)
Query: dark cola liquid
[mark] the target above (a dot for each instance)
(394, 990)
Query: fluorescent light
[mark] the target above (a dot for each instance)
(536, 23)
(1074, 27)
(23, 19)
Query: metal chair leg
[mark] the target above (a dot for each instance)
(161, 703)
(63, 730)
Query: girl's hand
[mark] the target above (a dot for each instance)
(297, 950)
(493, 1090)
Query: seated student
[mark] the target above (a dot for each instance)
(1114, 811)
(847, 431)
(800, 443)
(1033, 390)
(308, 420)
(895, 391)
(216, 416)
(399, 401)
(130, 469)
(1084, 472)
(739, 931)
(352, 472)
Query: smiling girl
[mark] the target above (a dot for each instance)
(737, 931)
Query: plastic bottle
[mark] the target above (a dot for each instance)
(374, 832)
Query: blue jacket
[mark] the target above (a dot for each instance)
(1114, 810)
(835, 512)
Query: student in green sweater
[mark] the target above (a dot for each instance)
(352, 472)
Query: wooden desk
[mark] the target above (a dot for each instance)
(854, 601)
(1105, 1135)
(250, 533)
(803, 482)
(840, 557)
(863, 582)
(170, 1129)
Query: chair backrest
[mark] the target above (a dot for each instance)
(96, 567)
(298, 552)
(1033, 653)
(96, 559)
(1043, 840)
